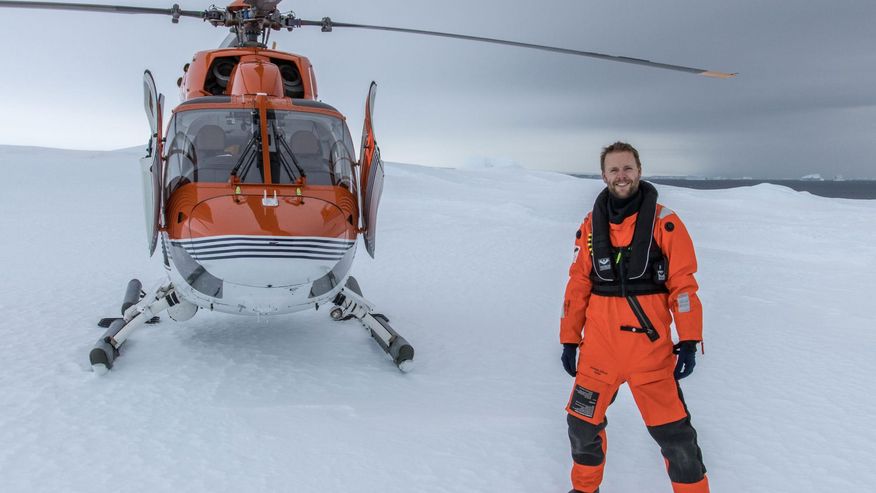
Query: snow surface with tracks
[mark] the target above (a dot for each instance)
(471, 266)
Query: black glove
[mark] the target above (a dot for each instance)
(687, 352)
(570, 358)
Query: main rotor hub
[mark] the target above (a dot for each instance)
(252, 20)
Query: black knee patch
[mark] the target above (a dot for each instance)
(678, 444)
(586, 442)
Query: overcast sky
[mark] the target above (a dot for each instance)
(804, 101)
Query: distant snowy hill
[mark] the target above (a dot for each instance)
(471, 266)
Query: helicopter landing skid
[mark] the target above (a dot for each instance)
(350, 303)
(135, 315)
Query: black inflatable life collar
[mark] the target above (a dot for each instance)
(602, 251)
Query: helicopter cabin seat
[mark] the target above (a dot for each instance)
(308, 152)
(214, 163)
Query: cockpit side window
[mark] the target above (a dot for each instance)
(181, 159)
(344, 160)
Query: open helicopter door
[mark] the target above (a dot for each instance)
(150, 166)
(371, 173)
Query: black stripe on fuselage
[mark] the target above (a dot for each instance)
(231, 255)
(219, 251)
(249, 239)
(251, 246)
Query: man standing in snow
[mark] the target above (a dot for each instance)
(632, 276)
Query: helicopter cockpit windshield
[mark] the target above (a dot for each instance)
(209, 145)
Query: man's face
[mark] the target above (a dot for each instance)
(621, 174)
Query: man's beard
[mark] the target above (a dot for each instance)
(631, 190)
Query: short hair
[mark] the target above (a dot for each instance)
(618, 147)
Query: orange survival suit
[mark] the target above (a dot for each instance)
(620, 313)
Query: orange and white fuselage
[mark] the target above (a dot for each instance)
(271, 240)
(249, 253)
(252, 192)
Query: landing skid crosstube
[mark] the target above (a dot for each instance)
(350, 303)
(140, 308)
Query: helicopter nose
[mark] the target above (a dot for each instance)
(287, 241)
(268, 261)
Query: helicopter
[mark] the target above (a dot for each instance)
(252, 188)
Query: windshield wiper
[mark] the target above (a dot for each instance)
(246, 158)
(288, 149)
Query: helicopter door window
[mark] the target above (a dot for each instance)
(346, 160)
(342, 165)
(181, 158)
(342, 157)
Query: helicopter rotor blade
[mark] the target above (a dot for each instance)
(327, 24)
(174, 11)
(230, 40)
(266, 12)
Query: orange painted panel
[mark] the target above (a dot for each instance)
(194, 79)
(199, 210)
(255, 75)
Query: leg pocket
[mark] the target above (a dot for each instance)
(590, 398)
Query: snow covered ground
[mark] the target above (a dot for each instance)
(471, 266)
